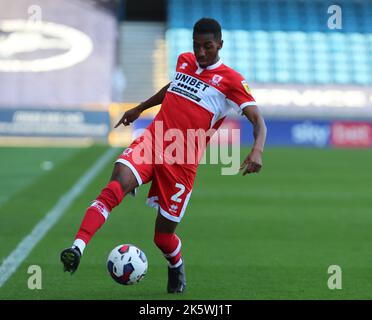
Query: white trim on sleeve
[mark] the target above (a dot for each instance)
(248, 103)
(235, 106)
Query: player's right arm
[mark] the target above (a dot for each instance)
(134, 113)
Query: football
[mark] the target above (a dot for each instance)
(127, 264)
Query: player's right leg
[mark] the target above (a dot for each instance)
(123, 181)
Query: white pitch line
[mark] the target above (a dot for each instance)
(20, 253)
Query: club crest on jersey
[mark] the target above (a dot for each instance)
(127, 152)
(246, 87)
(216, 79)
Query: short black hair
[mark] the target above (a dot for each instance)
(208, 25)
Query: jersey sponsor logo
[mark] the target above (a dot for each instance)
(191, 81)
(216, 79)
(188, 86)
(186, 93)
(246, 87)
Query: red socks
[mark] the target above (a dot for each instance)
(98, 212)
(170, 245)
(112, 195)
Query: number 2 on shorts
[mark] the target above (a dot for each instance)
(176, 196)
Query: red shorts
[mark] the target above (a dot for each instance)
(171, 185)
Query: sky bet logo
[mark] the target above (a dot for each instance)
(188, 86)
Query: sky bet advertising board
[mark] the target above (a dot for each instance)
(301, 133)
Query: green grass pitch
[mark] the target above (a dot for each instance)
(266, 236)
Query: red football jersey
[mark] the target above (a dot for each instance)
(216, 89)
(197, 100)
(200, 98)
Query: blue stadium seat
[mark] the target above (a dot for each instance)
(322, 77)
(362, 78)
(283, 40)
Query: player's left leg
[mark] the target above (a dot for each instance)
(170, 193)
(169, 243)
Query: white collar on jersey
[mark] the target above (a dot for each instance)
(211, 67)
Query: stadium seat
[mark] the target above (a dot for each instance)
(283, 40)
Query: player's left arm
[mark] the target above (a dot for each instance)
(253, 162)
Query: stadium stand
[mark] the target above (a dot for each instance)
(282, 41)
